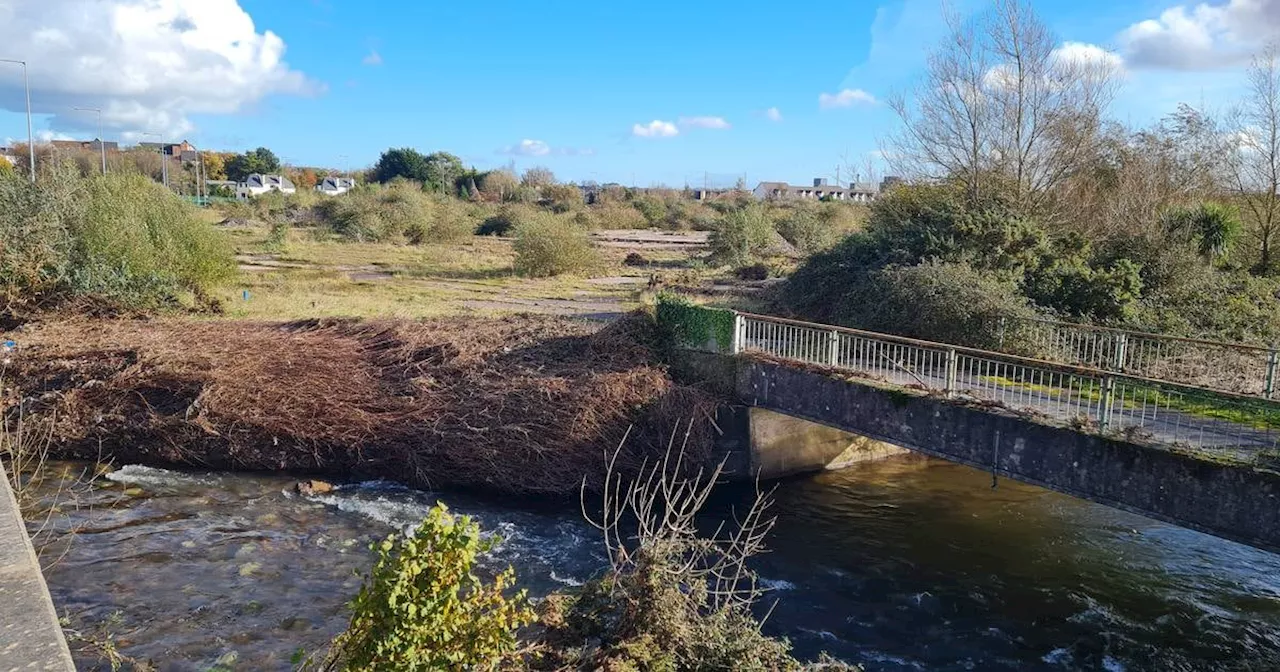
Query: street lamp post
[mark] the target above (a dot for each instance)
(31, 145)
(102, 141)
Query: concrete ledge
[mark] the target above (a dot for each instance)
(1230, 501)
(30, 636)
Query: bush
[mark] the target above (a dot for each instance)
(422, 606)
(508, 218)
(399, 210)
(618, 216)
(741, 235)
(118, 239)
(139, 245)
(547, 246)
(951, 303)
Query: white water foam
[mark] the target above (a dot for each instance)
(566, 580)
(401, 515)
(777, 584)
(136, 474)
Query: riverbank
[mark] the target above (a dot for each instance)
(518, 404)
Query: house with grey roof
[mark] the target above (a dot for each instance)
(335, 186)
(257, 185)
(857, 192)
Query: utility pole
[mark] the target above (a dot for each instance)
(102, 140)
(31, 140)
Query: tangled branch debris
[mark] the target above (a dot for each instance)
(517, 404)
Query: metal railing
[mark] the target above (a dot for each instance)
(1087, 398)
(1217, 365)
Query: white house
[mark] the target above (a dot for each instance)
(257, 185)
(334, 186)
(861, 192)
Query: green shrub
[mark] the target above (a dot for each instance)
(452, 221)
(547, 246)
(118, 239)
(803, 228)
(741, 235)
(947, 302)
(611, 215)
(507, 219)
(399, 210)
(422, 606)
(139, 245)
(35, 237)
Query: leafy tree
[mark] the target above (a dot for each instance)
(405, 162)
(260, 160)
(305, 178)
(442, 171)
(215, 166)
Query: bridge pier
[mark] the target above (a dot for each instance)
(760, 443)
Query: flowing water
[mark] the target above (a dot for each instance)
(903, 564)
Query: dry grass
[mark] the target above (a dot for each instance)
(515, 404)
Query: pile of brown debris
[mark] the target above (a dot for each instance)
(518, 404)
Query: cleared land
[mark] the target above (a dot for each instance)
(311, 276)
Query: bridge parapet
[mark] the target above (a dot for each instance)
(1091, 400)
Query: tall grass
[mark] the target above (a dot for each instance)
(119, 239)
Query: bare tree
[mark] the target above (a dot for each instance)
(1254, 164)
(947, 125)
(1001, 104)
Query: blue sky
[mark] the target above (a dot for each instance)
(656, 93)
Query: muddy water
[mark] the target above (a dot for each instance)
(905, 564)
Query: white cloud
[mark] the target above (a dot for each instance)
(846, 98)
(149, 64)
(713, 123)
(540, 148)
(528, 148)
(1202, 37)
(1085, 54)
(655, 129)
(773, 114)
(374, 58)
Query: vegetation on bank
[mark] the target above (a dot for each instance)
(119, 242)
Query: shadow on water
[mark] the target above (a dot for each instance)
(903, 564)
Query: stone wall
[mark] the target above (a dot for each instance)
(1232, 501)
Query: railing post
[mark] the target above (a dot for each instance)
(833, 351)
(1271, 373)
(1122, 352)
(1108, 395)
(739, 331)
(951, 371)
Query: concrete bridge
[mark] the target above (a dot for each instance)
(1197, 458)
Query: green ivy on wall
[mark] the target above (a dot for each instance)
(688, 325)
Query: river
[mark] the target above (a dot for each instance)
(904, 564)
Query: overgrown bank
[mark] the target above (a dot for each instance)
(517, 405)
